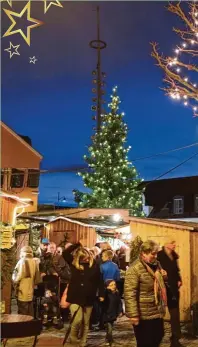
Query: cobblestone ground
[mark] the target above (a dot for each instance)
(123, 336)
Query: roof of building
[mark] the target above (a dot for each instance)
(160, 193)
(173, 179)
(167, 222)
(96, 223)
(24, 139)
(92, 223)
(17, 198)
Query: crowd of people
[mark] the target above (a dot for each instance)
(86, 287)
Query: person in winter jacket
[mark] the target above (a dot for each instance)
(112, 309)
(145, 296)
(168, 259)
(85, 281)
(109, 270)
(25, 276)
(50, 303)
(60, 267)
(46, 265)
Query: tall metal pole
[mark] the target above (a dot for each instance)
(98, 72)
(99, 45)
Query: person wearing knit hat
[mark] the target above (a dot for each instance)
(168, 259)
(25, 276)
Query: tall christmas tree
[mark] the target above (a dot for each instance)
(111, 179)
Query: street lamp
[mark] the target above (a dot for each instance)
(61, 199)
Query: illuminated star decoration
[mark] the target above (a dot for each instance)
(8, 1)
(12, 14)
(47, 6)
(33, 59)
(12, 52)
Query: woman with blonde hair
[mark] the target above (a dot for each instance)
(85, 281)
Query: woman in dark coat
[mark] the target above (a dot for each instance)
(85, 281)
(168, 259)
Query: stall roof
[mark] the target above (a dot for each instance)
(94, 223)
(167, 222)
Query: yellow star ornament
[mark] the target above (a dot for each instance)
(47, 4)
(8, 1)
(12, 14)
(11, 51)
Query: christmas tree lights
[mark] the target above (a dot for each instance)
(112, 179)
(180, 69)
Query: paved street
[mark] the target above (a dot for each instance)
(123, 336)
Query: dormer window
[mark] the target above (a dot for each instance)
(178, 205)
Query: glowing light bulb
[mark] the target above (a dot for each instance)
(177, 51)
(178, 69)
(186, 79)
(184, 45)
(185, 103)
(185, 97)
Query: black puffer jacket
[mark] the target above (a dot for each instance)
(112, 306)
(83, 284)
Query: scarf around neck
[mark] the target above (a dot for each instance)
(159, 288)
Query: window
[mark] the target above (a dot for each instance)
(2, 176)
(178, 206)
(33, 178)
(17, 178)
(196, 203)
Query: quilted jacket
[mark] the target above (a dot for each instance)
(139, 293)
(25, 284)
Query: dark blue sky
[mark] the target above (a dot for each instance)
(51, 100)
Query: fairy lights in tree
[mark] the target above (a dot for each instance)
(112, 179)
(180, 69)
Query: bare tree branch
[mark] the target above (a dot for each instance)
(177, 84)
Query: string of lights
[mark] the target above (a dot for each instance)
(179, 69)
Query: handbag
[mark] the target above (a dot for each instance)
(63, 301)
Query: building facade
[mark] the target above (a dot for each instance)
(20, 172)
(175, 198)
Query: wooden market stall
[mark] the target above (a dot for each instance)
(82, 230)
(186, 236)
(76, 231)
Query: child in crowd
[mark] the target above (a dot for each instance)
(50, 305)
(109, 269)
(112, 309)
